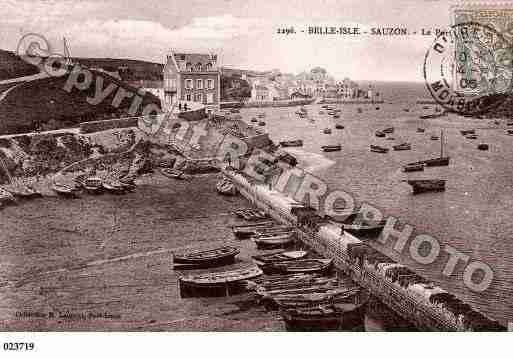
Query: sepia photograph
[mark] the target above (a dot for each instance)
(261, 166)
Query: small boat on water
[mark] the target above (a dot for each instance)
(483, 147)
(248, 230)
(327, 131)
(355, 224)
(216, 283)
(332, 113)
(339, 127)
(93, 185)
(298, 266)
(65, 190)
(250, 214)
(377, 108)
(420, 130)
(380, 134)
(336, 116)
(413, 167)
(471, 137)
(509, 132)
(402, 147)
(254, 119)
(468, 132)
(406, 110)
(509, 123)
(422, 186)
(434, 162)
(207, 257)
(279, 257)
(291, 143)
(331, 148)
(435, 138)
(261, 123)
(280, 240)
(388, 130)
(432, 115)
(378, 149)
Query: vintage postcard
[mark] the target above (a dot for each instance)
(220, 166)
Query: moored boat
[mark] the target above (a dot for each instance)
(247, 230)
(380, 134)
(6, 197)
(291, 143)
(216, 283)
(483, 147)
(471, 137)
(298, 266)
(378, 149)
(331, 148)
(468, 132)
(226, 188)
(270, 241)
(234, 110)
(435, 138)
(93, 185)
(261, 123)
(388, 130)
(279, 257)
(173, 173)
(65, 190)
(114, 187)
(355, 224)
(261, 115)
(316, 318)
(422, 186)
(339, 127)
(207, 257)
(413, 167)
(402, 147)
(254, 119)
(336, 115)
(327, 131)
(420, 130)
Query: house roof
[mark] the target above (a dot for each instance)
(195, 58)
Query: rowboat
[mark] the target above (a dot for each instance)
(93, 185)
(422, 186)
(292, 143)
(339, 127)
(380, 134)
(250, 214)
(24, 192)
(338, 294)
(355, 224)
(216, 283)
(6, 197)
(254, 119)
(245, 231)
(388, 130)
(327, 131)
(413, 167)
(261, 123)
(298, 266)
(471, 137)
(207, 258)
(402, 147)
(331, 148)
(378, 149)
(65, 190)
(173, 173)
(435, 138)
(467, 132)
(420, 130)
(234, 110)
(440, 161)
(226, 187)
(483, 147)
(336, 116)
(128, 182)
(275, 241)
(261, 115)
(114, 187)
(279, 257)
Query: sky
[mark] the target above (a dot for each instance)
(242, 33)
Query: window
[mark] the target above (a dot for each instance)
(210, 97)
(208, 67)
(210, 84)
(199, 67)
(188, 97)
(188, 66)
(197, 97)
(188, 84)
(199, 84)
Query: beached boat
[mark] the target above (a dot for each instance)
(339, 127)
(65, 190)
(23, 191)
(327, 131)
(287, 158)
(128, 182)
(377, 108)
(380, 134)
(246, 231)
(269, 241)
(378, 149)
(291, 143)
(234, 110)
(433, 115)
(251, 214)
(173, 173)
(216, 283)
(331, 148)
(471, 137)
(421, 186)
(336, 116)
(402, 147)
(114, 187)
(226, 187)
(435, 138)
(261, 123)
(440, 161)
(93, 185)
(298, 266)
(355, 224)
(413, 167)
(207, 257)
(6, 197)
(420, 130)
(316, 318)
(509, 132)
(254, 119)
(390, 138)
(279, 257)
(483, 147)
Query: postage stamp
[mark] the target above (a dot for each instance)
(468, 70)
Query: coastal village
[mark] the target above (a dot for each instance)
(270, 262)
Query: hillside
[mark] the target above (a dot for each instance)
(44, 104)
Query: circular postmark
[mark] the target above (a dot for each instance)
(468, 69)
